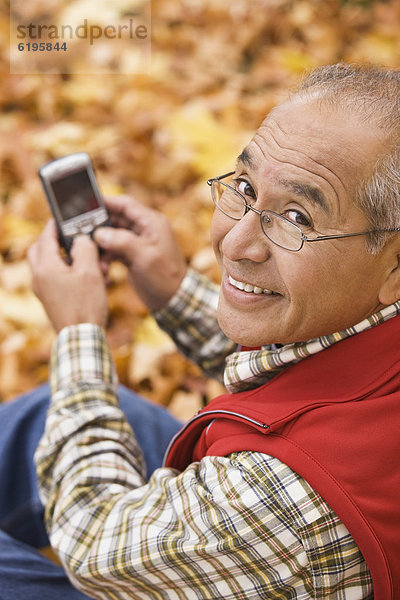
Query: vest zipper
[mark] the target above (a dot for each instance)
(212, 412)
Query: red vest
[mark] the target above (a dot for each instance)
(334, 418)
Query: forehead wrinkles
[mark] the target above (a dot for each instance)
(272, 142)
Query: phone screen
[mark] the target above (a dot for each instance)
(74, 194)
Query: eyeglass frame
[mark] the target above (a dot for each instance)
(303, 237)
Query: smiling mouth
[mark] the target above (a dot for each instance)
(250, 289)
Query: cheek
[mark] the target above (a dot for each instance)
(329, 291)
(310, 282)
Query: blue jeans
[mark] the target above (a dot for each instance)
(24, 573)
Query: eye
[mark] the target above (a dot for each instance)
(245, 188)
(298, 218)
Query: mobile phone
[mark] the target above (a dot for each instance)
(71, 189)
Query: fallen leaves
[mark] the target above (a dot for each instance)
(217, 68)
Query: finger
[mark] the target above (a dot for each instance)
(48, 239)
(126, 211)
(84, 252)
(46, 247)
(120, 242)
(105, 260)
(118, 204)
(32, 254)
(44, 256)
(104, 263)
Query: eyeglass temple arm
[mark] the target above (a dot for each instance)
(209, 181)
(345, 235)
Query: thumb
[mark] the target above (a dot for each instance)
(46, 249)
(117, 241)
(84, 251)
(47, 244)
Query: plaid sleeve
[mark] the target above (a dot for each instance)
(84, 394)
(244, 526)
(190, 319)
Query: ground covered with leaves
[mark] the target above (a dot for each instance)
(218, 66)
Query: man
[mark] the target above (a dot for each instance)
(287, 486)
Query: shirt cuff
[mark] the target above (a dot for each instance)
(196, 291)
(80, 354)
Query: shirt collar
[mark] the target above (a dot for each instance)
(247, 369)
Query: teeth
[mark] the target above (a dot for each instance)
(247, 287)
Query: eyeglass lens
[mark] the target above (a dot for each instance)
(279, 230)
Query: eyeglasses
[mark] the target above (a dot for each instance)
(279, 229)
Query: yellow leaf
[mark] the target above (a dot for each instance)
(16, 226)
(295, 62)
(17, 233)
(378, 48)
(150, 345)
(207, 144)
(61, 138)
(150, 334)
(15, 276)
(22, 308)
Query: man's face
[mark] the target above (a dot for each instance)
(303, 163)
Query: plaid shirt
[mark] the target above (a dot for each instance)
(239, 527)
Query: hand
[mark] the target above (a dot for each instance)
(71, 294)
(143, 240)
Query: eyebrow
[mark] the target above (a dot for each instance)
(245, 158)
(309, 192)
(306, 191)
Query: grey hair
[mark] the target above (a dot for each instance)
(374, 93)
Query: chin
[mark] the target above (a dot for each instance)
(248, 337)
(241, 336)
(252, 324)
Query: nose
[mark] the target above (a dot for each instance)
(246, 240)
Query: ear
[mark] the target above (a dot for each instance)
(390, 290)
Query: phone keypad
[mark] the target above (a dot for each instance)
(84, 224)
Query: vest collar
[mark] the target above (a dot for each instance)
(250, 368)
(359, 366)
